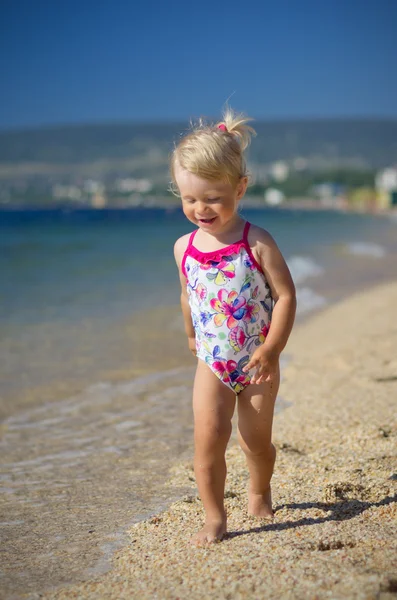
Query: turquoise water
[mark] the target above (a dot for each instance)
(65, 266)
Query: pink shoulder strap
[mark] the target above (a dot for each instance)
(245, 233)
(191, 238)
(185, 255)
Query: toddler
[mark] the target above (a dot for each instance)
(238, 303)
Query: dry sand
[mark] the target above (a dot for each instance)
(334, 486)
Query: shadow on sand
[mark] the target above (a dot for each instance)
(340, 511)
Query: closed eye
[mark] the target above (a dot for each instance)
(213, 200)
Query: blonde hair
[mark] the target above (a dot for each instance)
(214, 151)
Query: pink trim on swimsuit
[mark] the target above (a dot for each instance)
(248, 248)
(185, 255)
(218, 255)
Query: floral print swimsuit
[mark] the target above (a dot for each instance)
(231, 307)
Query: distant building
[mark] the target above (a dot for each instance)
(98, 200)
(274, 197)
(279, 171)
(363, 199)
(66, 192)
(129, 184)
(386, 179)
(386, 188)
(329, 193)
(92, 186)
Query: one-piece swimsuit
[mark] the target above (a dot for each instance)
(231, 307)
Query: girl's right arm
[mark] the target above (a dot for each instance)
(179, 250)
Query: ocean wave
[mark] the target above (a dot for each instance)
(303, 267)
(308, 300)
(366, 249)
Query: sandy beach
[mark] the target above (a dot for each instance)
(334, 486)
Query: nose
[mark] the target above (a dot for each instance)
(202, 208)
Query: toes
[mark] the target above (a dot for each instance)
(199, 542)
(205, 539)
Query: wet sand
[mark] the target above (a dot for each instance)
(334, 487)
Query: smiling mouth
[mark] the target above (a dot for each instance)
(207, 221)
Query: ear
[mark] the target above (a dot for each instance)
(242, 187)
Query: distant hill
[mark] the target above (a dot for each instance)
(371, 142)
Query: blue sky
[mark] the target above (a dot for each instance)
(85, 61)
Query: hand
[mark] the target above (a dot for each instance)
(192, 345)
(266, 363)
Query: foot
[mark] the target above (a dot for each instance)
(213, 531)
(260, 505)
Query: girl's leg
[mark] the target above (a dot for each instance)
(255, 420)
(213, 408)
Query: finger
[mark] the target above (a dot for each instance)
(250, 365)
(256, 376)
(253, 377)
(264, 376)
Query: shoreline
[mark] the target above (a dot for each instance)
(339, 504)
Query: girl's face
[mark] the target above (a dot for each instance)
(211, 205)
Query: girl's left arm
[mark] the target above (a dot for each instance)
(278, 276)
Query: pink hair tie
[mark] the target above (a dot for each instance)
(222, 127)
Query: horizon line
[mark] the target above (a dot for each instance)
(174, 121)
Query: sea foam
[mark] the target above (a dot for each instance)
(303, 268)
(366, 249)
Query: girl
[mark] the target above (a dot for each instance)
(235, 282)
